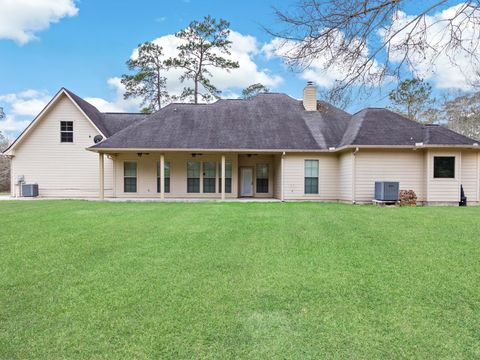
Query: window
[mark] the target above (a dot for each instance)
(262, 178)
(209, 177)
(311, 176)
(66, 131)
(193, 177)
(166, 177)
(129, 176)
(228, 177)
(444, 167)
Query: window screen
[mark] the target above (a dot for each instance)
(311, 176)
(130, 176)
(444, 167)
(262, 178)
(66, 131)
(193, 177)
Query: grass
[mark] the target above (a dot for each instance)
(91, 280)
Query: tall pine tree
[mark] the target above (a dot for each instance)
(148, 82)
(204, 43)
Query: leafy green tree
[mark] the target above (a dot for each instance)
(413, 99)
(148, 82)
(204, 43)
(4, 161)
(254, 90)
(462, 114)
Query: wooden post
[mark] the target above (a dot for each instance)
(101, 176)
(162, 176)
(282, 184)
(223, 177)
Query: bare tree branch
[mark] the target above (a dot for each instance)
(374, 40)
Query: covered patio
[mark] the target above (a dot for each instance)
(198, 175)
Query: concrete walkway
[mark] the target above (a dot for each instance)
(246, 200)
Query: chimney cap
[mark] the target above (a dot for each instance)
(309, 83)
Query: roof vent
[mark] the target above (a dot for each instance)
(310, 97)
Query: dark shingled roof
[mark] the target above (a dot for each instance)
(114, 122)
(375, 126)
(107, 123)
(268, 121)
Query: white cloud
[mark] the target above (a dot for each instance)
(324, 69)
(26, 103)
(21, 19)
(244, 49)
(439, 66)
(118, 104)
(11, 125)
(20, 108)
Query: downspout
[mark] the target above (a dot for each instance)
(354, 175)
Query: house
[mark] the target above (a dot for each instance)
(270, 146)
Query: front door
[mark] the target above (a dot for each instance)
(246, 181)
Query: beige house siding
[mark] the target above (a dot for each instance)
(466, 173)
(60, 169)
(469, 178)
(147, 175)
(345, 173)
(69, 170)
(384, 165)
(294, 179)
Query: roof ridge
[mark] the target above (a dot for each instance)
(353, 124)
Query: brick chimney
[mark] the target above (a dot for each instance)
(310, 97)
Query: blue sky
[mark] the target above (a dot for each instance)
(83, 45)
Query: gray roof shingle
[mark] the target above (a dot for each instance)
(267, 121)
(107, 123)
(270, 121)
(375, 126)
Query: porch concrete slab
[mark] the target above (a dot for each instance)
(141, 199)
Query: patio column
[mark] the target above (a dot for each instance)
(223, 177)
(282, 184)
(101, 176)
(162, 176)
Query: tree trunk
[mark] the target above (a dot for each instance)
(159, 90)
(195, 94)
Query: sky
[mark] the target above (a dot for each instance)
(83, 45)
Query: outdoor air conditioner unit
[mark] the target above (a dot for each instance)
(29, 190)
(387, 190)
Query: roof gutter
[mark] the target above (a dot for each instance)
(329, 150)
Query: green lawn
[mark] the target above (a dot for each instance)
(91, 280)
